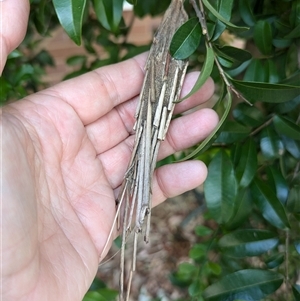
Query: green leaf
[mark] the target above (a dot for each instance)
(247, 242)
(279, 183)
(234, 55)
(247, 165)
(263, 37)
(286, 107)
(205, 143)
(205, 72)
(103, 294)
(295, 33)
(246, 12)
(256, 72)
(296, 291)
(220, 187)
(195, 288)
(293, 201)
(250, 285)
(198, 251)
(76, 60)
(297, 246)
(242, 208)
(221, 18)
(292, 146)
(274, 261)
(70, 15)
(186, 39)
(286, 127)
(109, 13)
(232, 132)
(265, 92)
(214, 268)
(270, 144)
(203, 231)
(224, 9)
(248, 115)
(269, 205)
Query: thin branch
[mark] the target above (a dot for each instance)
(200, 13)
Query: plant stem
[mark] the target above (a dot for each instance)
(200, 13)
(261, 127)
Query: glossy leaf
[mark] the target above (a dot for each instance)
(205, 72)
(274, 261)
(297, 246)
(109, 13)
(211, 137)
(232, 132)
(70, 15)
(286, 127)
(242, 208)
(296, 291)
(287, 106)
(295, 33)
(269, 205)
(273, 74)
(293, 201)
(186, 39)
(222, 19)
(270, 144)
(248, 115)
(263, 37)
(224, 9)
(220, 187)
(247, 165)
(256, 72)
(247, 242)
(265, 92)
(250, 285)
(292, 146)
(280, 184)
(246, 12)
(234, 55)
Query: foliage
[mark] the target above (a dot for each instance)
(249, 245)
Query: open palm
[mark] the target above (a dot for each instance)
(65, 151)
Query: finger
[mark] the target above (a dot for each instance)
(184, 132)
(95, 93)
(13, 24)
(118, 123)
(174, 179)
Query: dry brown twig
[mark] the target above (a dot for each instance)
(161, 89)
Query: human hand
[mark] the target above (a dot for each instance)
(65, 152)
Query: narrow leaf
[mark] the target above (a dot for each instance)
(269, 205)
(213, 134)
(279, 183)
(246, 12)
(186, 39)
(221, 18)
(232, 132)
(263, 37)
(286, 127)
(296, 291)
(247, 242)
(246, 167)
(220, 187)
(70, 15)
(248, 115)
(270, 144)
(250, 285)
(109, 13)
(242, 208)
(274, 261)
(273, 93)
(205, 72)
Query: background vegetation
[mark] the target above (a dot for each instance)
(249, 246)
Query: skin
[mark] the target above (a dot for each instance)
(64, 154)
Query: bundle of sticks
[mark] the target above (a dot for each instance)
(161, 89)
